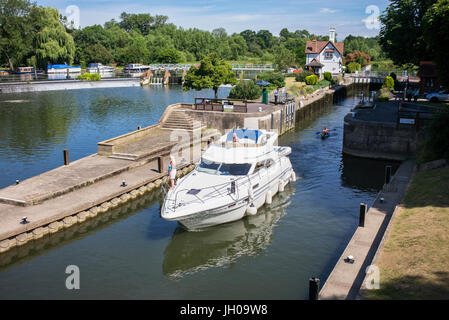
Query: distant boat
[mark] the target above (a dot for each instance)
(28, 70)
(99, 68)
(135, 69)
(62, 68)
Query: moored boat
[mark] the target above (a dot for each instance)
(236, 175)
(62, 68)
(99, 68)
(135, 69)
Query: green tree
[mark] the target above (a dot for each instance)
(275, 78)
(97, 53)
(15, 32)
(401, 33)
(436, 32)
(284, 59)
(211, 73)
(169, 55)
(52, 43)
(136, 51)
(245, 90)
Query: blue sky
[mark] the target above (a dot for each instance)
(237, 15)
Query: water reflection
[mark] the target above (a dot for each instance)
(190, 252)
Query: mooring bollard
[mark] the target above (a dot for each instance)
(387, 174)
(66, 157)
(160, 164)
(139, 127)
(314, 286)
(362, 215)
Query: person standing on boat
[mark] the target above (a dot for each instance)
(172, 171)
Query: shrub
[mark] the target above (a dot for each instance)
(437, 144)
(275, 78)
(353, 66)
(383, 95)
(388, 83)
(328, 76)
(245, 90)
(311, 80)
(301, 77)
(89, 76)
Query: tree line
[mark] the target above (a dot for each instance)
(36, 36)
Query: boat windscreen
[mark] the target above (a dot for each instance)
(224, 169)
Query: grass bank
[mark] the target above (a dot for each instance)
(414, 263)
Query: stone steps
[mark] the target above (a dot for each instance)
(180, 120)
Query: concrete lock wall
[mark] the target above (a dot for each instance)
(378, 140)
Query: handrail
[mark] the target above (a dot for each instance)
(242, 180)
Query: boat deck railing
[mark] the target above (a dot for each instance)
(222, 189)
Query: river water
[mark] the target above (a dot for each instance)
(131, 253)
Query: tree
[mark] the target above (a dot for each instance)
(436, 32)
(275, 78)
(402, 25)
(211, 73)
(284, 59)
(51, 43)
(137, 51)
(97, 53)
(245, 90)
(15, 31)
(169, 55)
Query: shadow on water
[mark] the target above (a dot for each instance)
(218, 246)
(363, 174)
(34, 248)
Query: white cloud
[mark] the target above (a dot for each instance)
(328, 10)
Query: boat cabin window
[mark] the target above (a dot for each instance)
(223, 169)
(259, 165)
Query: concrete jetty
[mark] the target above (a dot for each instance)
(346, 278)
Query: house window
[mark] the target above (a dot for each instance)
(429, 82)
(328, 55)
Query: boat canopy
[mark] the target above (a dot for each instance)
(245, 134)
(57, 66)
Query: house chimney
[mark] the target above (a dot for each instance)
(332, 35)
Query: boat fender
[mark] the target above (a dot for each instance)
(293, 176)
(251, 210)
(281, 185)
(269, 197)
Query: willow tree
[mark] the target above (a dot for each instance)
(211, 73)
(52, 43)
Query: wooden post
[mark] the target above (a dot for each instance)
(66, 157)
(314, 285)
(362, 215)
(160, 164)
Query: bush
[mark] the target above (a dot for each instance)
(437, 144)
(89, 77)
(301, 77)
(328, 76)
(311, 80)
(245, 90)
(275, 78)
(383, 95)
(353, 66)
(388, 83)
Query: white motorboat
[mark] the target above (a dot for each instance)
(233, 179)
(135, 69)
(99, 68)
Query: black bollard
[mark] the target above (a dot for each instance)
(160, 164)
(139, 127)
(362, 215)
(66, 157)
(387, 174)
(314, 286)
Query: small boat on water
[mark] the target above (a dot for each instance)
(99, 68)
(135, 69)
(62, 68)
(28, 70)
(324, 135)
(236, 175)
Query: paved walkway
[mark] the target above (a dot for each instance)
(345, 280)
